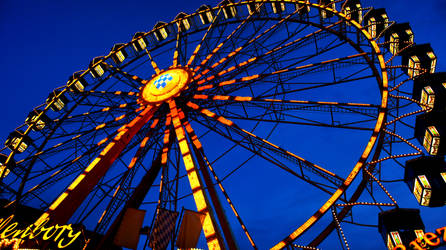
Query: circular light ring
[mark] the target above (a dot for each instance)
(166, 85)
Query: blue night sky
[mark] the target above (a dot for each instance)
(44, 42)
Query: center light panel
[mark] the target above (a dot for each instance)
(166, 85)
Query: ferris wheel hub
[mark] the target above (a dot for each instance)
(166, 84)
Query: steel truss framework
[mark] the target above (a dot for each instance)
(261, 71)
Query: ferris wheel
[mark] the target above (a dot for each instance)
(275, 124)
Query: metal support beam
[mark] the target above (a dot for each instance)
(210, 227)
(200, 156)
(137, 197)
(66, 204)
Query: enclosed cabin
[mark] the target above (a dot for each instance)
(37, 119)
(430, 131)
(329, 4)
(118, 53)
(419, 59)
(17, 141)
(255, 7)
(76, 83)
(56, 100)
(205, 13)
(399, 36)
(139, 41)
(161, 31)
(353, 10)
(400, 226)
(183, 22)
(376, 21)
(303, 8)
(97, 69)
(426, 178)
(229, 10)
(278, 7)
(430, 90)
(5, 168)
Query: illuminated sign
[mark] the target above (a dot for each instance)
(163, 80)
(426, 241)
(166, 85)
(11, 232)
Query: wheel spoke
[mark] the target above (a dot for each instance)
(145, 184)
(125, 181)
(264, 144)
(249, 79)
(219, 46)
(252, 99)
(199, 154)
(290, 45)
(197, 49)
(280, 110)
(133, 78)
(64, 206)
(152, 62)
(236, 51)
(209, 225)
(177, 47)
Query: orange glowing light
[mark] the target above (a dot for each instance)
(166, 85)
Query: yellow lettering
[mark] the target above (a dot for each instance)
(70, 235)
(5, 222)
(40, 228)
(45, 236)
(61, 231)
(25, 233)
(56, 231)
(442, 232)
(9, 229)
(431, 239)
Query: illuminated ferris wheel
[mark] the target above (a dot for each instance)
(256, 124)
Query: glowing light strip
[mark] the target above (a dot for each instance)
(152, 62)
(164, 156)
(214, 51)
(253, 77)
(231, 123)
(194, 54)
(198, 145)
(253, 59)
(127, 75)
(379, 125)
(194, 181)
(231, 54)
(115, 92)
(175, 53)
(249, 99)
(99, 166)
